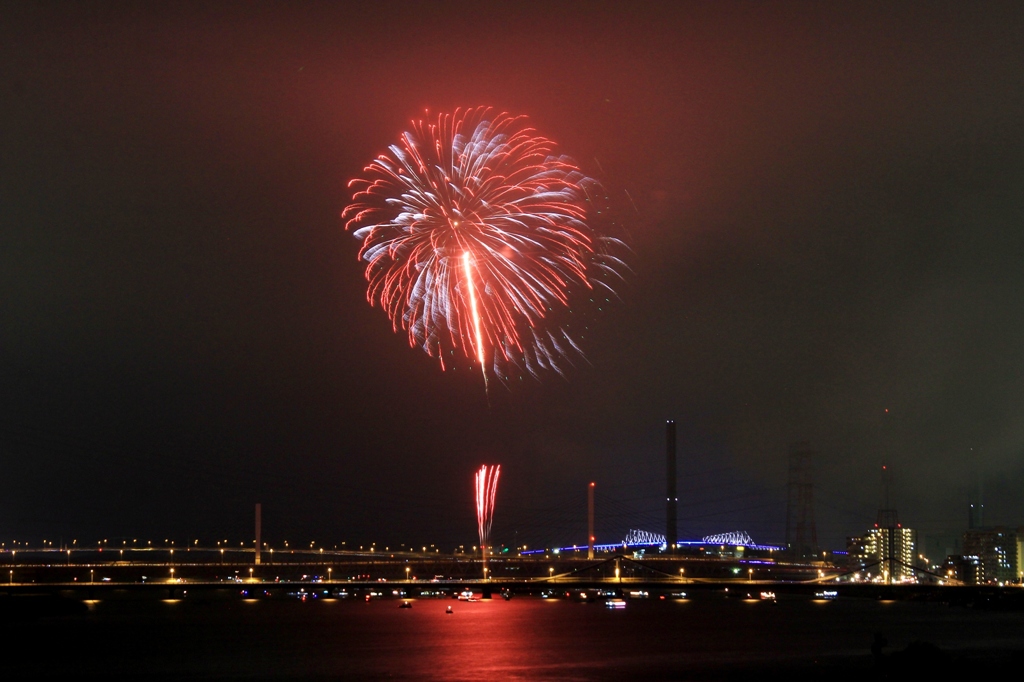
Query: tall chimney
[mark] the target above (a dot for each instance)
(590, 521)
(259, 514)
(671, 500)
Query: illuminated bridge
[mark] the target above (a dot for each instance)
(642, 539)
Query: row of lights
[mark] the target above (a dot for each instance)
(551, 572)
(48, 544)
(221, 545)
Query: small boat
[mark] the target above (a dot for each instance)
(405, 605)
(615, 604)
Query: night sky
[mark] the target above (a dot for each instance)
(827, 225)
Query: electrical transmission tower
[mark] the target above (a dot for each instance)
(888, 521)
(801, 532)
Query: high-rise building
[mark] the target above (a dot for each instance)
(890, 544)
(964, 570)
(997, 551)
(887, 554)
(858, 551)
(1020, 554)
(895, 551)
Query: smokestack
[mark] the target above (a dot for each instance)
(590, 521)
(259, 514)
(981, 503)
(671, 501)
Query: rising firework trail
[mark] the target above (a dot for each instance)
(467, 263)
(476, 236)
(486, 491)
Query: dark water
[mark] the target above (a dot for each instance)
(525, 638)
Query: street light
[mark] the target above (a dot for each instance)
(329, 574)
(551, 573)
(407, 573)
(250, 575)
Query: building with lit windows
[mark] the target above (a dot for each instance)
(858, 551)
(997, 550)
(1020, 555)
(882, 550)
(965, 570)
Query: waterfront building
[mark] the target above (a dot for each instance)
(884, 550)
(1020, 555)
(965, 570)
(997, 550)
(858, 551)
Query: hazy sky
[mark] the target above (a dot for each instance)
(827, 225)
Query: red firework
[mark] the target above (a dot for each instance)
(486, 491)
(474, 232)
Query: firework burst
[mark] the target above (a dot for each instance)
(475, 233)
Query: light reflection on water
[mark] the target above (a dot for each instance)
(525, 638)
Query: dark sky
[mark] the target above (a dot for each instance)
(829, 203)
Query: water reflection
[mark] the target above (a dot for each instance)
(526, 638)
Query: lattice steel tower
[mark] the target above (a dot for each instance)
(801, 532)
(888, 521)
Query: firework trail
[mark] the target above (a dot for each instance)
(475, 234)
(468, 267)
(486, 491)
